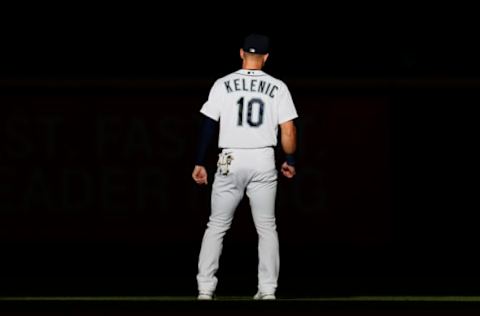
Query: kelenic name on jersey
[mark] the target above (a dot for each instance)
(253, 85)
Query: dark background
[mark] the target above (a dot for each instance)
(99, 115)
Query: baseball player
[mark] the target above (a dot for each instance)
(248, 105)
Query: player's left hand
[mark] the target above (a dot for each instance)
(287, 170)
(199, 174)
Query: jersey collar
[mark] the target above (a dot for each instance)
(251, 72)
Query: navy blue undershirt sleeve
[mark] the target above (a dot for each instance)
(207, 131)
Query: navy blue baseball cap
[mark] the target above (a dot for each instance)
(256, 44)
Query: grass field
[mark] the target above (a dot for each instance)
(399, 299)
(240, 305)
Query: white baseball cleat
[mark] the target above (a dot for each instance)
(205, 296)
(264, 296)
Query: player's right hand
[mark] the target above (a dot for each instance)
(199, 175)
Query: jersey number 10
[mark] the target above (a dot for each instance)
(250, 105)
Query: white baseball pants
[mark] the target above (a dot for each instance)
(253, 171)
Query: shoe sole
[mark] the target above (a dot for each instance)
(264, 297)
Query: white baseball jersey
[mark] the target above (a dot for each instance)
(250, 105)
